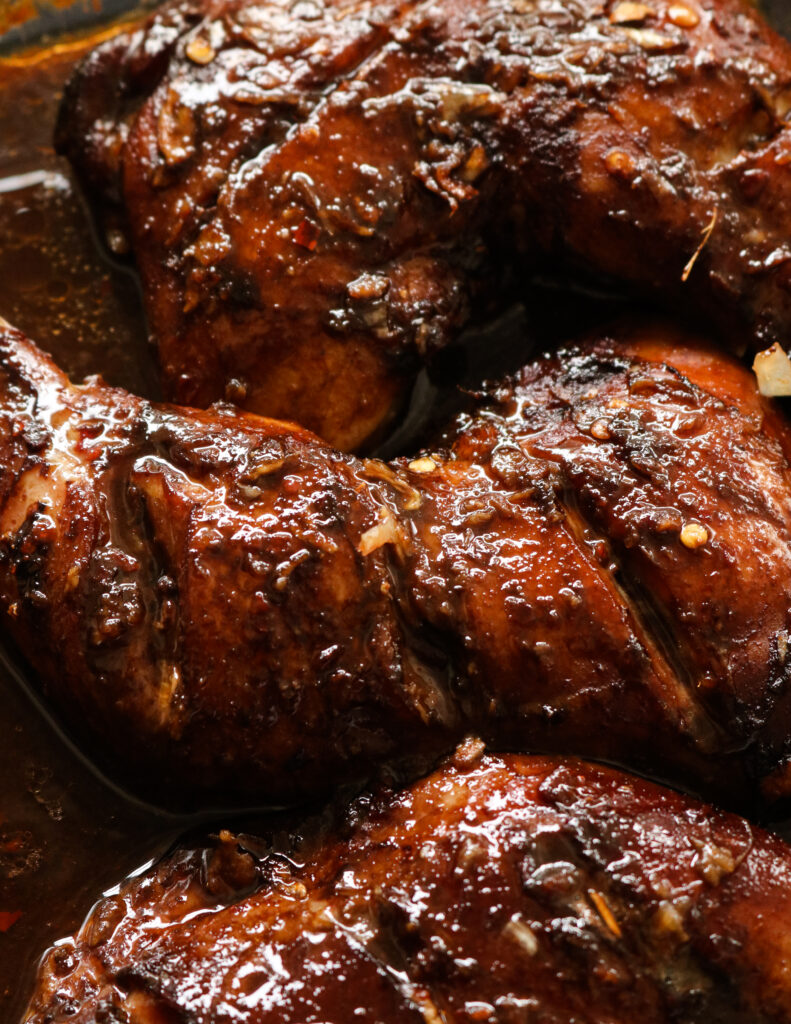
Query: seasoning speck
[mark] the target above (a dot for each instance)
(306, 234)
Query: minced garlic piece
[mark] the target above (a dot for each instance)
(200, 50)
(693, 535)
(521, 932)
(630, 12)
(424, 465)
(601, 430)
(683, 16)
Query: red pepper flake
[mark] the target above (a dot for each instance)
(601, 905)
(8, 918)
(307, 234)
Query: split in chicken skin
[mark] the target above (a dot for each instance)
(597, 560)
(509, 889)
(319, 193)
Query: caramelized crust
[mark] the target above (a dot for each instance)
(513, 890)
(318, 193)
(596, 560)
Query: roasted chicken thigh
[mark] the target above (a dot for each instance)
(511, 890)
(319, 193)
(597, 559)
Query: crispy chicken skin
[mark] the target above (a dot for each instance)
(510, 889)
(319, 192)
(596, 560)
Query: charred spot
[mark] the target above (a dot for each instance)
(239, 288)
(779, 661)
(585, 369)
(112, 590)
(28, 557)
(36, 435)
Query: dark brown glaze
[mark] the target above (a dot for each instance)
(596, 561)
(317, 193)
(510, 889)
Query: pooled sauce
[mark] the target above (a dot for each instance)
(55, 284)
(65, 833)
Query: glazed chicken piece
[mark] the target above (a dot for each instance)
(320, 193)
(506, 889)
(597, 560)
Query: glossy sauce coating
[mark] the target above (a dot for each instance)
(520, 889)
(318, 193)
(595, 561)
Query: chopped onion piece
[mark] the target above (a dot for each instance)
(773, 370)
(386, 531)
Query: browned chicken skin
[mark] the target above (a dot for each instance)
(317, 193)
(519, 889)
(596, 561)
